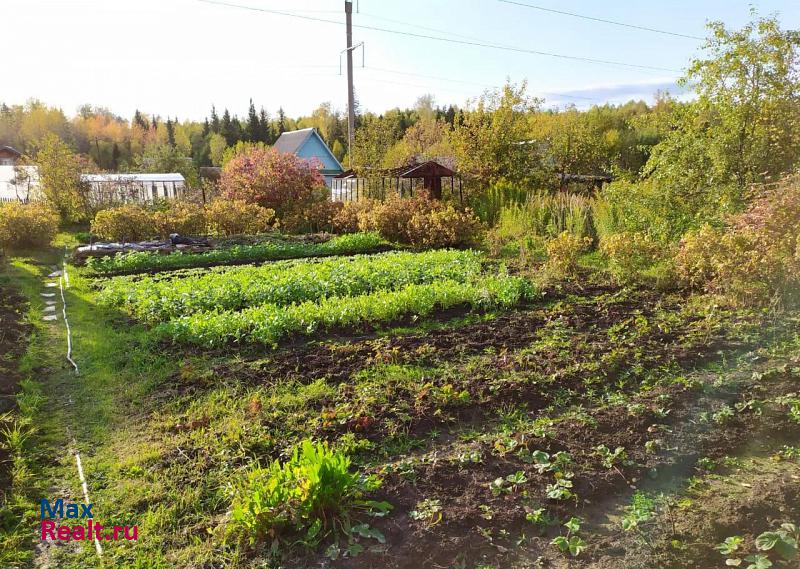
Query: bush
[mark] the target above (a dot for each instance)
(563, 252)
(27, 225)
(312, 217)
(124, 223)
(182, 217)
(271, 179)
(346, 219)
(237, 217)
(443, 227)
(755, 260)
(306, 495)
(630, 254)
(420, 221)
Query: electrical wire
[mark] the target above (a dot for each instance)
(594, 19)
(443, 39)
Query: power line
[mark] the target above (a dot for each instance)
(593, 19)
(485, 85)
(442, 39)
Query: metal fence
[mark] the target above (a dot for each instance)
(355, 189)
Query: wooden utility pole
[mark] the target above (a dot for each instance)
(351, 111)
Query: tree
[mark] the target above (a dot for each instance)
(161, 158)
(59, 178)
(375, 137)
(489, 141)
(253, 130)
(281, 121)
(140, 120)
(266, 127)
(170, 133)
(744, 126)
(280, 181)
(215, 125)
(216, 146)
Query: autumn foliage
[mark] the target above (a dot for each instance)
(271, 179)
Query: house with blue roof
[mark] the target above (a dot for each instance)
(307, 143)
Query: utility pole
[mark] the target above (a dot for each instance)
(351, 111)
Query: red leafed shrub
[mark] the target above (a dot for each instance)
(271, 179)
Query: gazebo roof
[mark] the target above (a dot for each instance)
(428, 169)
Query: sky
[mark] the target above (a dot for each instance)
(178, 57)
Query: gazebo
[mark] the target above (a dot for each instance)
(375, 184)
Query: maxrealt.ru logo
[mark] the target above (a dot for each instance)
(67, 532)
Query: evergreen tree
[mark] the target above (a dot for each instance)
(267, 136)
(281, 121)
(140, 121)
(170, 132)
(450, 115)
(254, 133)
(155, 123)
(206, 128)
(215, 126)
(227, 130)
(115, 153)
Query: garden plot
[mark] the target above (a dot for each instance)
(268, 303)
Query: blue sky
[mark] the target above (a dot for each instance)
(177, 57)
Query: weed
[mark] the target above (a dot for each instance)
(309, 493)
(428, 511)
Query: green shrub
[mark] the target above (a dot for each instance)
(181, 217)
(237, 217)
(125, 223)
(563, 252)
(27, 225)
(630, 255)
(306, 495)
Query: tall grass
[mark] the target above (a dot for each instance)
(546, 215)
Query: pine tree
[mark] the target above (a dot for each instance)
(254, 133)
(170, 132)
(140, 121)
(450, 115)
(206, 128)
(226, 129)
(281, 121)
(155, 123)
(215, 126)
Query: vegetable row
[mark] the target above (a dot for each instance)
(139, 262)
(269, 323)
(158, 299)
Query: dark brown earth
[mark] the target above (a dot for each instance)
(508, 343)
